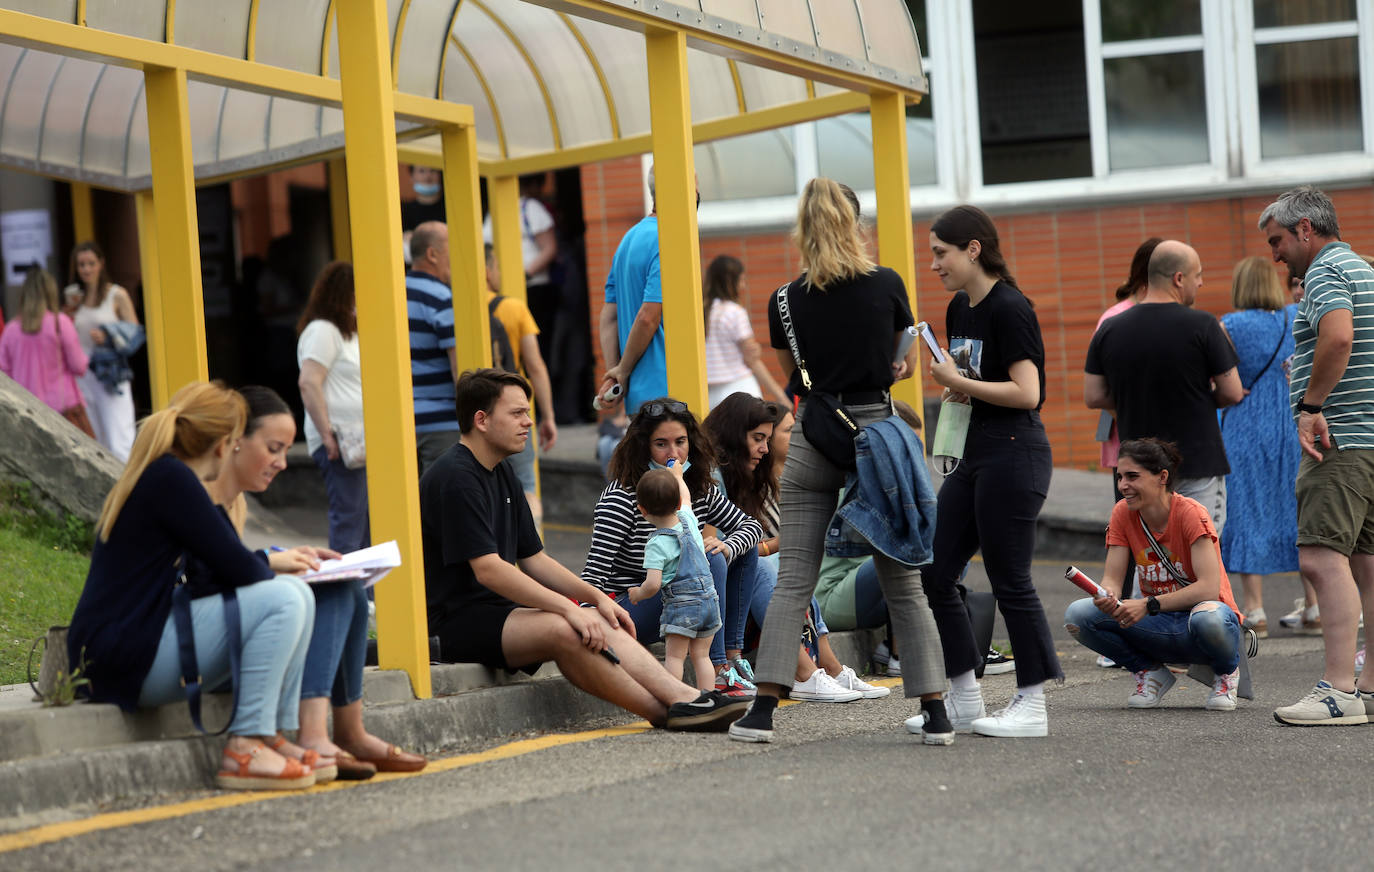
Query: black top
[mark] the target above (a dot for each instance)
(167, 519)
(847, 333)
(414, 213)
(986, 339)
(467, 511)
(1159, 360)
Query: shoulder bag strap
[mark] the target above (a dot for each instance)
(1283, 334)
(785, 315)
(1163, 554)
(186, 651)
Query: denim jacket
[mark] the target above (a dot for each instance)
(110, 360)
(889, 503)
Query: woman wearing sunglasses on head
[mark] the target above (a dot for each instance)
(664, 430)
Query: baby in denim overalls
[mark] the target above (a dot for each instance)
(691, 610)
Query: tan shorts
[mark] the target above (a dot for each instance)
(1336, 501)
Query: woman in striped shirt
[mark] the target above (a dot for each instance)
(661, 430)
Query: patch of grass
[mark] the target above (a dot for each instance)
(45, 564)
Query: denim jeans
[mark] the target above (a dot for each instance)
(1210, 637)
(338, 646)
(349, 527)
(276, 616)
(734, 589)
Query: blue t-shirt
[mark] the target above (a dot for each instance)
(429, 306)
(633, 281)
(664, 552)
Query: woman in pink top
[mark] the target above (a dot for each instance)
(1125, 299)
(40, 349)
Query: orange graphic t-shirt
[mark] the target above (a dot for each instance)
(1188, 522)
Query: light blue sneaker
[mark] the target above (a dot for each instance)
(744, 670)
(731, 683)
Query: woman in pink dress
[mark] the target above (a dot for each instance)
(40, 350)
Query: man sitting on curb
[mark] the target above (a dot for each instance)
(495, 596)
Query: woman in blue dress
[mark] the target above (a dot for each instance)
(1260, 536)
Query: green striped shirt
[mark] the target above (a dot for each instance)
(1339, 279)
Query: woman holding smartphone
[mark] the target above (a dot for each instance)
(990, 502)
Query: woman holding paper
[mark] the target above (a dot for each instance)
(338, 645)
(990, 501)
(1186, 613)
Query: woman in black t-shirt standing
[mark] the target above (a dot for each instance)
(846, 313)
(996, 362)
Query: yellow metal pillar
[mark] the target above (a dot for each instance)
(892, 179)
(152, 299)
(463, 204)
(503, 196)
(338, 209)
(679, 251)
(83, 217)
(374, 201)
(178, 235)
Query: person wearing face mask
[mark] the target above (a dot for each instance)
(428, 205)
(662, 430)
(99, 303)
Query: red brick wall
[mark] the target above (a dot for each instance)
(1069, 262)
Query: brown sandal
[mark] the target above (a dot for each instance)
(353, 769)
(396, 760)
(324, 772)
(294, 776)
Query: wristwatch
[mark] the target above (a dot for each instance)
(1309, 408)
(1151, 606)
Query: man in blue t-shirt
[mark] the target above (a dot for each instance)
(631, 328)
(433, 357)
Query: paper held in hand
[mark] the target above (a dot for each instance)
(369, 564)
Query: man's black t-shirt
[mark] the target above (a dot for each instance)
(986, 339)
(847, 333)
(466, 511)
(1159, 360)
(414, 213)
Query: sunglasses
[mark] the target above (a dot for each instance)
(658, 410)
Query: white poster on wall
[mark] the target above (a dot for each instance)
(25, 239)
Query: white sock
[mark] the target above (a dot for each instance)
(1031, 691)
(965, 680)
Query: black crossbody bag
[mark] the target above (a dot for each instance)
(827, 424)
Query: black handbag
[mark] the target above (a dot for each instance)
(827, 424)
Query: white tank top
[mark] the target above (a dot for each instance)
(87, 318)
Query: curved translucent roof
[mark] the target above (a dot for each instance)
(542, 76)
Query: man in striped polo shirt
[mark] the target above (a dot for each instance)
(1332, 392)
(433, 357)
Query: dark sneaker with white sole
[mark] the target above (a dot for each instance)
(755, 726)
(997, 663)
(711, 712)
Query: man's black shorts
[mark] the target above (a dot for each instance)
(473, 635)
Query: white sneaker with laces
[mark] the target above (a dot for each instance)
(1105, 662)
(849, 680)
(820, 687)
(1223, 698)
(1324, 705)
(964, 706)
(1150, 687)
(1024, 717)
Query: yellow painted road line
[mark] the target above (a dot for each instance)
(114, 820)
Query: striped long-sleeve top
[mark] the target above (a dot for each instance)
(615, 560)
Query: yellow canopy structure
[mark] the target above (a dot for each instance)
(153, 96)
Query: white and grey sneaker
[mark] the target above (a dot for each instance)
(964, 706)
(1324, 706)
(1223, 696)
(1024, 717)
(820, 687)
(850, 680)
(1150, 687)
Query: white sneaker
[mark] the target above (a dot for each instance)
(1024, 717)
(1324, 705)
(1303, 620)
(820, 687)
(964, 706)
(1105, 662)
(1223, 698)
(915, 723)
(1150, 687)
(894, 667)
(849, 680)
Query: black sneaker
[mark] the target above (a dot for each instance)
(756, 726)
(997, 663)
(937, 729)
(711, 712)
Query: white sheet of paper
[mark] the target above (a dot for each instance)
(370, 564)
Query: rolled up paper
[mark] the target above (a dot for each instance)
(1092, 588)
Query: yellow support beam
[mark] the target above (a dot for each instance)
(152, 299)
(83, 217)
(374, 199)
(503, 196)
(337, 169)
(892, 178)
(178, 234)
(679, 251)
(463, 203)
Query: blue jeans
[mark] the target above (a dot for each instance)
(276, 616)
(1211, 637)
(349, 528)
(338, 647)
(734, 589)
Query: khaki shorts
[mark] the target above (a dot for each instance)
(1336, 501)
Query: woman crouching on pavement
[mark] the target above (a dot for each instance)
(1186, 613)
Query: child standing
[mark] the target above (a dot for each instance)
(691, 609)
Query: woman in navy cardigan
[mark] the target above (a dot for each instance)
(157, 518)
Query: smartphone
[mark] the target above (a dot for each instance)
(929, 336)
(904, 340)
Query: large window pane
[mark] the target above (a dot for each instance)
(1150, 19)
(1289, 13)
(1309, 97)
(1156, 111)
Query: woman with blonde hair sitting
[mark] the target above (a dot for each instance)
(124, 632)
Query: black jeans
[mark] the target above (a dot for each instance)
(990, 503)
